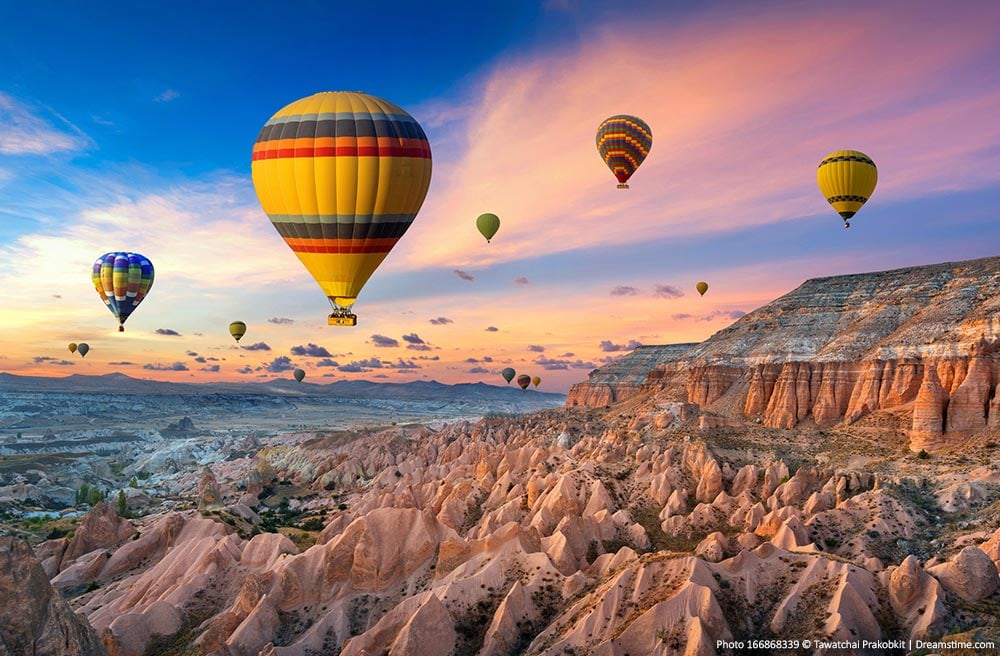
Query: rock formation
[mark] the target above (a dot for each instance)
(836, 350)
(34, 619)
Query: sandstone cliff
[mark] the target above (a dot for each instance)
(837, 349)
(624, 376)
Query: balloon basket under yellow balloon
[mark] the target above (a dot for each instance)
(342, 320)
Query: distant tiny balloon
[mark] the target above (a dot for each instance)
(523, 381)
(237, 329)
(72, 347)
(488, 224)
(702, 287)
(535, 380)
(299, 375)
(82, 348)
(508, 374)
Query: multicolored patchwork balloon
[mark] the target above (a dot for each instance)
(122, 279)
(624, 142)
(341, 175)
(523, 381)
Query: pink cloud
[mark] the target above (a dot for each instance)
(740, 123)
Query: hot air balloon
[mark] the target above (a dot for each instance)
(523, 381)
(122, 279)
(847, 179)
(702, 287)
(299, 375)
(341, 175)
(82, 348)
(237, 329)
(72, 347)
(624, 142)
(508, 374)
(535, 380)
(488, 224)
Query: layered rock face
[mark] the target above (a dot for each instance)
(624, 377)
(837, 349)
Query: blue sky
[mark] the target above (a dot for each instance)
(130, 126)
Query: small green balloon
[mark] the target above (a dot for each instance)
(488, 225)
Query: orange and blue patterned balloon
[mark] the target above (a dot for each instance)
(624, 142)
(122, 279)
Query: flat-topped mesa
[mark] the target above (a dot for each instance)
(839, 348)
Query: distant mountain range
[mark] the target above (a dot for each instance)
(343, 389)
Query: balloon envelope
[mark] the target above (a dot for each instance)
(623, 142)
(237, 329)
(847, 179)
(702, 287)
(299, 375)
(341, 175)
(122, 279)
(535, 380)
(523, 381)
(82, 348)
(508, 374)
(488, 224)
(72, 347)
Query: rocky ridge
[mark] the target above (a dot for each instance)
(923, 340)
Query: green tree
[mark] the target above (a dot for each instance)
(134, 482)
(122, 504)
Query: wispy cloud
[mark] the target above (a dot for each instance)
(536, 348)
(168, 331)
(50, 360)
(311, 350)
(522, 280)
(728, 157)
(167, 95)
(667, 291)
(24, 132)
(177, 366)
(624, 290)
(281, 321)
(608, 346)
(440, 321)
(277, 365)
(258, 346)
(464, 275)
(384, 342)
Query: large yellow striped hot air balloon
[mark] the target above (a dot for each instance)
(341, 175)
(847, 179)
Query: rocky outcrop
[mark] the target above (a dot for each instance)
(839, 349)
(929, 414)
(34, 619)
(971, 575)
(624, 376)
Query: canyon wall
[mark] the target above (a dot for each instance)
(923, 340)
